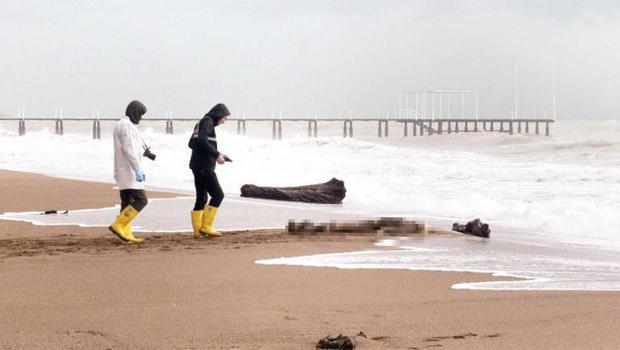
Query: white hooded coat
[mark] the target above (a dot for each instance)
(127, 154)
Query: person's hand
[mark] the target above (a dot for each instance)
(220, 159)
(140, 177)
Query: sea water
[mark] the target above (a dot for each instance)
(557, 191)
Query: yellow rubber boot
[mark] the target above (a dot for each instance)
(208, 217)
(122, 226)
(196, 222)
(130, 233)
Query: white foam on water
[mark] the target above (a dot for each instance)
(535, 268)
(566, 187)
(559, 190)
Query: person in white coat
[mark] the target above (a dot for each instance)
(128, 149)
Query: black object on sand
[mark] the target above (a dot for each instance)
(48, 212)
(475, 228)
(339, 342)
(330, 192)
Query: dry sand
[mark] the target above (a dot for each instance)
(80, 288)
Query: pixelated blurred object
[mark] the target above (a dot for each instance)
(389, 226)
(475, 228)
(339, 342)
(330, 192)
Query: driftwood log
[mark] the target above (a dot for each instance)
(388, 226)
(330, 192)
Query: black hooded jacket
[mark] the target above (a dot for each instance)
(203, 141)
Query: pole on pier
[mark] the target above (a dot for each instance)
(405, 128)
(547, 129)
(456, 126)
(466, 126)
(440, 105)
(379, 132)
(527, 127)
(476, 106)
(449, 127)
(537, 128)
(554, 97)
(432, 105)
(414, 128)
(511, 127)
(440, 127)
(516, 90)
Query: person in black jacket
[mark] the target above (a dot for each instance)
(204, 157)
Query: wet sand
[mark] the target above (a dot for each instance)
(73, 287)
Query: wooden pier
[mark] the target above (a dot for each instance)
(410, 127)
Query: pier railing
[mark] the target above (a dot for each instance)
(411, 127)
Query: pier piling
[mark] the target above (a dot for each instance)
(96, 129)
(22, 127)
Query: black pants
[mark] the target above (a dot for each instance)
(136, 198)
(207, 185)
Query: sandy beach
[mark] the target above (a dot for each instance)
(73, 287)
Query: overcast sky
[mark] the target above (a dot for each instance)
(305, 55)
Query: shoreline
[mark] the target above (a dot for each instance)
(70, 286)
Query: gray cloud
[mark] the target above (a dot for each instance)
(305, 55)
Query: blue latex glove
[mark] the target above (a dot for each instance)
(140, 176)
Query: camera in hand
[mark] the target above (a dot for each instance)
(227, 158)
(147, 153)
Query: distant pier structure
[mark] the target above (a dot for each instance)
(420, 113)
(438, 112)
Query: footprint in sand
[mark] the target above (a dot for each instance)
(443, 337)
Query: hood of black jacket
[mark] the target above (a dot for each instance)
(218, 112)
